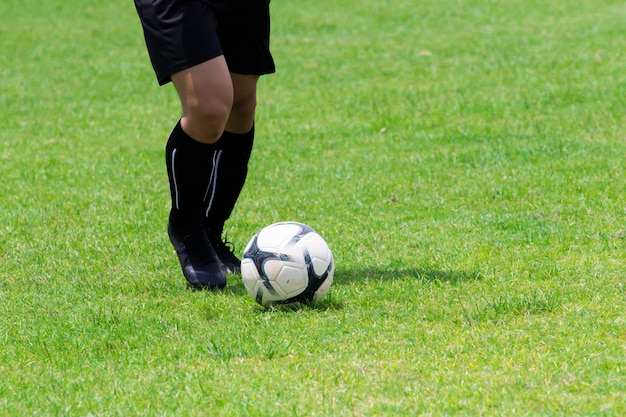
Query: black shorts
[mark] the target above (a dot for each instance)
(182, 33)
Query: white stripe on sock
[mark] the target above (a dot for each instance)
(212, 181)
(177, 205)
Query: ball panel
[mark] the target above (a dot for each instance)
(278, 235)
(271, 269)
(249, 276)
(292, 280)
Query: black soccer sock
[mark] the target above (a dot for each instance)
(189, 164)
(227, 179)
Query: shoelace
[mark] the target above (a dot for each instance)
(222, 246)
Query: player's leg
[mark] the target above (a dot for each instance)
(234, 149)
(244, 31)
(206, 95)
(184, 48)
(231, 166)
(241, 117)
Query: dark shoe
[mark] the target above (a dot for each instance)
(198, 260)
(225, 252)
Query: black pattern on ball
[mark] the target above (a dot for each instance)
(314, 284)
(259, 258)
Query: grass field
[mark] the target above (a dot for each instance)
(465, 160)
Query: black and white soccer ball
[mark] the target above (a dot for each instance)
(286, 263)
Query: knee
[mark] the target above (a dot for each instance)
(241, 116)
(206, 121)
(212, 114)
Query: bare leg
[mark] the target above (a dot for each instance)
(241, 116)
(206, 96)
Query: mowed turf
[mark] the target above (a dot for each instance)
(465, 161)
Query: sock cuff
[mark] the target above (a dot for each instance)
(230, 140)
(187, 143)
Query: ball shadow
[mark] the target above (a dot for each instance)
(363, 275)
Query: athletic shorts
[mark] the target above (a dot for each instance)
(182, 33)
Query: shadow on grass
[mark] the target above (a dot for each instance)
(362, 275)
(236, 288)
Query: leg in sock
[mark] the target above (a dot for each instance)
(228, 177)
(188, 165)
(225, 185)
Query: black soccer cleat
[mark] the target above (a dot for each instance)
(225, 252)
(198, 260)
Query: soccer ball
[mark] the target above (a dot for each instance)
(287, 263)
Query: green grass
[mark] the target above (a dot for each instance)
(465, 160)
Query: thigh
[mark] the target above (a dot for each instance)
(244, 33)
(179, 34)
